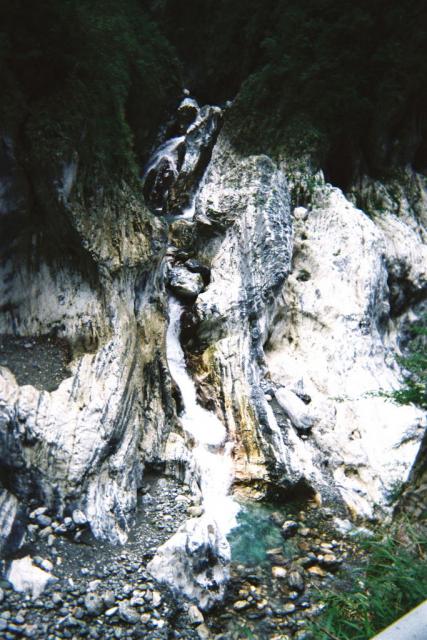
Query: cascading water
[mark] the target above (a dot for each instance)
(173, 173)
(211, 452)
(161, 172)
(167, 152)
(195, 560)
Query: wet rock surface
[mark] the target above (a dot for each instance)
(276, 296)
(171, 177)
(184, 283)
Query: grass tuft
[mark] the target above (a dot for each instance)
(393, 582)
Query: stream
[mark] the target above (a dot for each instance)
(212, 451)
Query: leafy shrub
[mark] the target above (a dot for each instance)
(352, 72)
(414, 389)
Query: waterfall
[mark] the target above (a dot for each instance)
(166, 152)
(195, 560)
(172, 176)
(211, 451)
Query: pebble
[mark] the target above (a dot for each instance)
(109, 598)
(43, 520)
(45, 564)
(156, 600)
(57, 598)
(203, 632)
(343, 526)
(60, 529)
(79, 517)
(131, 606)
(37, 512)
(279, 572)
(79, 613)
(128, 613)
(289, 528)
(195, 615)
(289, 608)
(306, 561)
(93, 585)
(93, 604)
(329, 560)
(296, 580)
(1, 595)
(316, 571)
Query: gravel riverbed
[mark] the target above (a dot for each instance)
(282, 559)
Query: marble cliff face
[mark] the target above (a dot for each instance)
(291, 325)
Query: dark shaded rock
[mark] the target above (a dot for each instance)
(289, 528)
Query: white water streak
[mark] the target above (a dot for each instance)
(211, 452)
(166, 151)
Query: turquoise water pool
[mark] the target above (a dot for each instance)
(255, 534)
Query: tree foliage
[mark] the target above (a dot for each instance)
(91, 75)
(342, 81)
(345, 80)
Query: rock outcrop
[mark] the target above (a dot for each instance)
(195, 562)
(171, 177)
(333, 343)
(243, 212)
(291, 325)
(84, 444)
(298, 367)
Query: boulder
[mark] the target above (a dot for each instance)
(194, 561)
(184, 283)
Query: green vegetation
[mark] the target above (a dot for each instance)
(393, 581)
(341, 81)
(347, 74)
(92, 76)
(414, 389)
(319, 85)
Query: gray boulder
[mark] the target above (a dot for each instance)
(184, 283)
